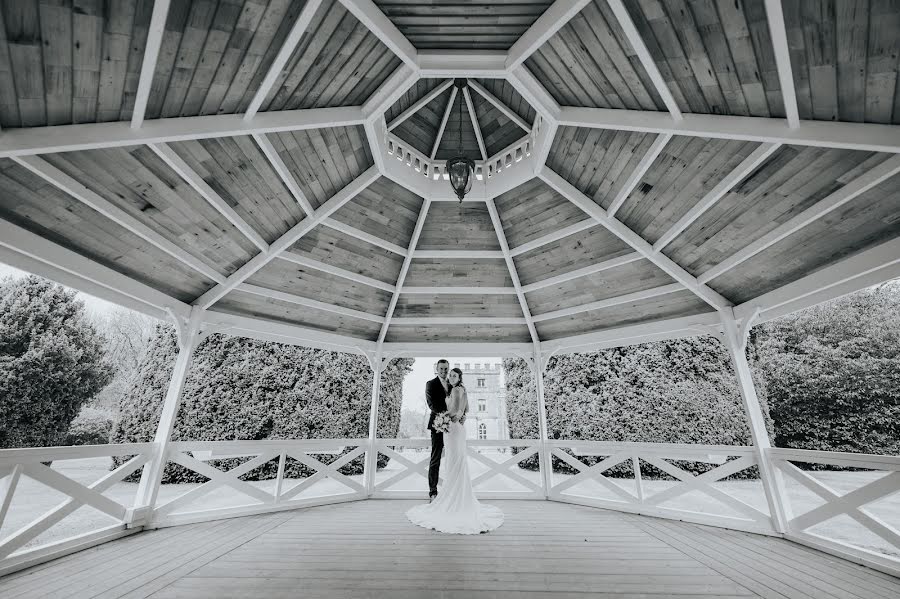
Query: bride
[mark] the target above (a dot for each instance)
(455, 509)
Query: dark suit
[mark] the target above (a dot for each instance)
(436, 398)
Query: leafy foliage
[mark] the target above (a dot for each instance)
(90, 427)
(239, 388)
(52, 361)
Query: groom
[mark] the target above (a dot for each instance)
(436, 392)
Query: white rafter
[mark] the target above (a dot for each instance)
(513, 273)
(440, 133)
(283, 172)
(420, 103)
(777, 32)
(336, 271)
(363, 236)
(503, 108)
(308, 303)
(744, 169)
(61, 180)
(284, 53)
(640, 48)
(572, 229)
(413, 241)
(475, 124)
(621, 231)
(551, 20)
(148, 67)
(835, 200)
(462, 63)
(371, 16)
(609, 302)
(457, 320)
(177, 164)
(583, 272)
(453, 254)
(288, 239)
(635, 177)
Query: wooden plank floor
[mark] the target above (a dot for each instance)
(368, 549)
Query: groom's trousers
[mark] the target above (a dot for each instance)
(434, 467)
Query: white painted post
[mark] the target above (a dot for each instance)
(735, 340)
(537, 365)
(371, 465)
(151, 478)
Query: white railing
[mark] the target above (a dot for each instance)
(743, 508)
(25, 467)
(489, 461)
(878, 482)
(509, 156)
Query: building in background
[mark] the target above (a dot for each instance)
(487, 400)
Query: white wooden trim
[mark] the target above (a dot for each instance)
(743, 170)
(309, 303)
(64, 182)
(413, 241)
(371, 16)
(578, 227)
(11, 478)
(155, 33)
(282, 332)
(503, 108)
(288, 239)
(635, 177)
(284, 173)
(534, 93)
(459, 290)
(389, 92)
(640, 48)
(451, 254)
(552, 20)
(66, 138)
(513, 273)
(46, 553)
(437, 91)
(835, 200)
(334, 270)
(370, 468)
(462, 63)
(618, 229)
(475, 124)
(177, 164)
(440, 133)
(77, 491)
(869, 137)
(467, 349)
(284, 53)
(777, 31)
(583, 272)
(456, 320)
(613, 301)
(544, 455)
(337, 225)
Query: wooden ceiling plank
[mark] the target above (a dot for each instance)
(61, 180)
(367, 237)
(283, 172)
(177, 164)
(452, 254)
(637, 174)
(613, 301)
(407, 290)
(420, 103)
(475, 124)
(148, 67)
(309, 303)
(502, 107)
(552, 19)
(777, 30)
(371, 16)
(440, 133)
(640, 48)
(583, 272)
(554, 236)
(457, 320)
(745, 168)
(336, 271)
(835, 200)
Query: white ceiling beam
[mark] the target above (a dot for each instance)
(368, 13)
(827, 134)
(363, 236)
(552, 20)
(640, 48)
(440, 133)
(635, 177)
(283, 172)
(513, 273)
(466, 349)
(610, 302)
(743, 170)
(155, 33)
(284, 53)
(833, 201)
(389, 92)
(475, 124)
(456, 320)
(458, 290)
(335, 271)
(778, 34)
(413, 241)
(90, 136)
(420, 103)
(499, 105)
(61, 180)
(177, 164)
(583, 272)
(462, 63)
(454, 254)
(534, 93)
(308, 303)
(289, 238)
(572, 229)
(621, 231)
(23, 249)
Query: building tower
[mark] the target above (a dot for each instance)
(487, 401)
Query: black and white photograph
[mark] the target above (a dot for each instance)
(450, 299)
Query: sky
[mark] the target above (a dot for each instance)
(94, 306)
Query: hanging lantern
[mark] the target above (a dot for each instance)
(460, 169)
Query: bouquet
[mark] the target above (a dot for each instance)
(442, 422)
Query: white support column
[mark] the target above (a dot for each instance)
(188, 333)
(537, 365)
(371, 467)
(735, 339)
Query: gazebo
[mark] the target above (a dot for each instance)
(643, 171)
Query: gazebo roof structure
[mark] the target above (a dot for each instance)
(643, 170)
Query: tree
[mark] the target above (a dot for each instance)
(127, 336)
(52, 360)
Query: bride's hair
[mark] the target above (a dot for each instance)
(459, 372)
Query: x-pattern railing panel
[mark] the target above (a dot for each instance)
(412, 468)
(504, 468)
(324, 471)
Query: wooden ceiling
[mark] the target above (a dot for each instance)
(302, 224)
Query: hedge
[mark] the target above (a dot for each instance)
(91, 427)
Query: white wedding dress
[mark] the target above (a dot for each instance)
(455, 509)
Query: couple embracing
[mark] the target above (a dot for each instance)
(455, 509)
